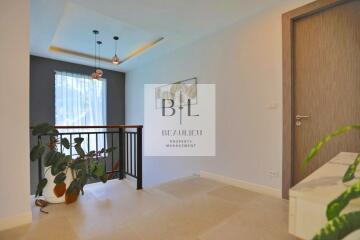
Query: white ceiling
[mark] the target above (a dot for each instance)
(69, 23)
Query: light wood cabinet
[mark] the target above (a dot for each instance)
(309, 198)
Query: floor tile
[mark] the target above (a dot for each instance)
(234, 194)
(188, 187)
(55, 228)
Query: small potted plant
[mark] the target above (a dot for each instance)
(64, 175)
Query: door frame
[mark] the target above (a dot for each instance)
(288, 20)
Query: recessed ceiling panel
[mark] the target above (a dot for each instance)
(68, 25)
(74, 32)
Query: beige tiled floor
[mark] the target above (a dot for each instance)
(187, 209)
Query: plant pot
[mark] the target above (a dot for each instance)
(48, 191)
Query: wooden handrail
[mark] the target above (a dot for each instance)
(107, 126)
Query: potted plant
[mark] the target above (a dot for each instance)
(65, 176)
(339, 225)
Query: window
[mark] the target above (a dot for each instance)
(80, 101)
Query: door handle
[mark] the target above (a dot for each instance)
(300, 117)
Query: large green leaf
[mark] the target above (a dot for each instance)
(100, 170)
(83, 178)
(57, 168)
(43, 129)
(79, 150)
(337, 205)
(37, 152)
(340, 227)
(40, 186)
(50, 158)
(78, 140)
(77, 164)
(60, 178)
(97, 169)
(60, 164)
(318, 146)
(350, 172)
(73, 187)
(65, 142)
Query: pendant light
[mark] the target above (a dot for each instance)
(115, 59)
(98, 71)
(94, 75)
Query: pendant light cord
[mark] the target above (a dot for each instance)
(95, 51)
(99, 44)
(116, 38)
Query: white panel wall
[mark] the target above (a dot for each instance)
(14, 114)
(245, 62)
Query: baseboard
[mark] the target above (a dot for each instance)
(242, 184)
(15, 221)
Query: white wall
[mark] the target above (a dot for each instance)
(245, 62)
(14, 114)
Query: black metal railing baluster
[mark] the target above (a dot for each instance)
(105, 157)
(112, 152)
(96, 146)
(70, 135)
(139, 157)
(135, 154)
(39, 164)
(79, 135)
(61, 149)
(121, 154)
(131, 154)
(88, 142)
(127, 153)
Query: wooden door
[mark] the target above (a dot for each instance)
(326, 82)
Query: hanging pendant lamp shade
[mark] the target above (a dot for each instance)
(98, 71)
(115, 59)
(94, 76)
